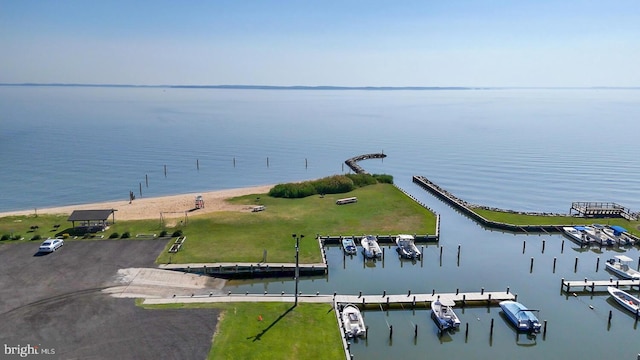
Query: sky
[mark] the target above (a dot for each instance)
(519, 43)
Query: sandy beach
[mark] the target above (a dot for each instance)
(172, 206)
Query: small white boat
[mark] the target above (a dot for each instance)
(349, 246)
(617, 233)
(575, 234)
(407, 247)
(370, 247)
(619, 265)
(352, 321)
(443, 314)
(522, 318)
(625, 299)
(596, 235)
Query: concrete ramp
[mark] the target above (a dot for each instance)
(158, 283)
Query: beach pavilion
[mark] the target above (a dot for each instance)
(92, 220)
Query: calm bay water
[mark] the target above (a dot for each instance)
(520, 149)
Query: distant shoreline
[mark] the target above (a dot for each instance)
(320, 87)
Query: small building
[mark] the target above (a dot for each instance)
(91, 220)
(199, 202)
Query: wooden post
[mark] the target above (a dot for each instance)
(524, 246)
(597, 263)
(165, 171)
(234, 162)
(610, 316)
(575, 266)
(146, 179)
(531, 266)
(198, 164)
(140, 189)
(544, 332)
(491, 331)
(543, 244)
(441, 248)
(390, 331)
(562, 247)
(554, 264)
(562, 283)
(458, 251)
(466, 331)
(305, 163)
(267, 161)
(415, 332)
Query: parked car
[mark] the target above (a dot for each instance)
(51, 245)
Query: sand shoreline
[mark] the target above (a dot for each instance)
(150, 208)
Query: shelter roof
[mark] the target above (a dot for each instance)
(88, 215)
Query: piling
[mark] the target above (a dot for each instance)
(491, 330)
(306, 164)
(507, 289)
(543, 244)
(610, 316)
(165, 171)
(197, 164)
(360, 295)
(267, 161)
(562, 282)
(140, 189)
(441, 248)
(464, 299)
(234, 162)
(544, 332)
(390, 331)
(482, 291)
(415, 331)
(524, 246)
(409, 293)
(146, 179)
(383, 254)
(575, 266)
(554, 264)
(531, 266)
(458, 251)
(384, 293)
(466, 331)
(562, 247)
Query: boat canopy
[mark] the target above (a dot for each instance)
(623, 258)
(446, 302)
(617, 230)
(580, 228)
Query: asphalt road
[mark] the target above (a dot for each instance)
(55, 302)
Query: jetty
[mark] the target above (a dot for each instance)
(352, 163)
(602, 209)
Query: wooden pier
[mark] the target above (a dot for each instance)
(601, 210)
(385, 300)
(590, 285)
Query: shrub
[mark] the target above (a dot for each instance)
(5, 237)
(360, 180)
(16, 237)
(177, 233)
(164, 233)
(36, 237)
(125, 235)
(383, 178)
(114, 235)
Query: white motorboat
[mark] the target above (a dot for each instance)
(370, 247)
(625, 299)
(407, 247)
(352, 321)
(522, 318)
(349, 246)
(574, 233)
(596, 235)
(617, 233)
(620, 266)
(443, 314)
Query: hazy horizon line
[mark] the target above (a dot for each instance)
(320, 87)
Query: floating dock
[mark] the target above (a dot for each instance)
(590, 285)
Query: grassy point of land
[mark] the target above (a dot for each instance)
(242, 236)
(273, 331)
(523, 219)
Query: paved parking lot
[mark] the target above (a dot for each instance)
(55, 301)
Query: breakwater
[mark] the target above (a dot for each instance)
(467, 209)
(352, 163)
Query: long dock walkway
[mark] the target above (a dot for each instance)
(592, 284)
(236, 270)
(369, 300)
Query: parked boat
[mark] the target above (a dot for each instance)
(620, 266)
(625, 299)
(522, 318)
(443, 314)
(617, 233)
(352, 321)
(407, 247)
(574, 233)
(349, 246)
(596, 235)
(370, 247)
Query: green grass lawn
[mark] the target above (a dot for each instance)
(307, 331)
(521, 219)
(243, 236)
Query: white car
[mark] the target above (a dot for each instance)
(51, 245)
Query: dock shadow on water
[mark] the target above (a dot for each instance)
(258, 337)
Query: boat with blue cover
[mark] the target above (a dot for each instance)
(349, 246)
(520, 316)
